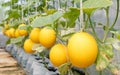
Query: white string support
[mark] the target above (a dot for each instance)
(36, 5)
(22, 9)
(58, 4)
(81, 16)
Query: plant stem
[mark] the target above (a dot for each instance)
(54, 3)
(73, 3)
(100, 73)
(91, 25)
(86, 72)
(105, 35)
(107, 31)
(59, 4)
(107, 24)
(46, 5)
(70, 72)
(86, 23)
(93, 29)
(66, 6)
(60, 40)
(117, 13)
(107, 15)
(43, 58)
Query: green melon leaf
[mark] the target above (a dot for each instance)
(71, 16)
(90, 5)
(17, 40)
(24, 27)
(46, 20)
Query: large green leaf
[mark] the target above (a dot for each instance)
(13, 13)
(32, 16)
(16, 23)
(71, 16)
(9, 3)
(90, 5)
(17, 40)
(46, 20)
(6, 4)
(97, 3)
(23, 27)
(104, 56)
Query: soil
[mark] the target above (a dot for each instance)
(8, 65)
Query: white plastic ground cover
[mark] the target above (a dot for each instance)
(32, 64)
(3, 40)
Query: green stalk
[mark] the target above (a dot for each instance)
(100, 73)
(45, 4)
(45, 7)
(66, 6)
(108, 30)
(54, 3)
(86, 73)
(107, 15)
(43, 55)
(59, 4)
(93, 29)
(73, 2)
(107, 24)
(117, 14)
(86, 23)
(91, 25)
(105, 35)
(70, 72)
